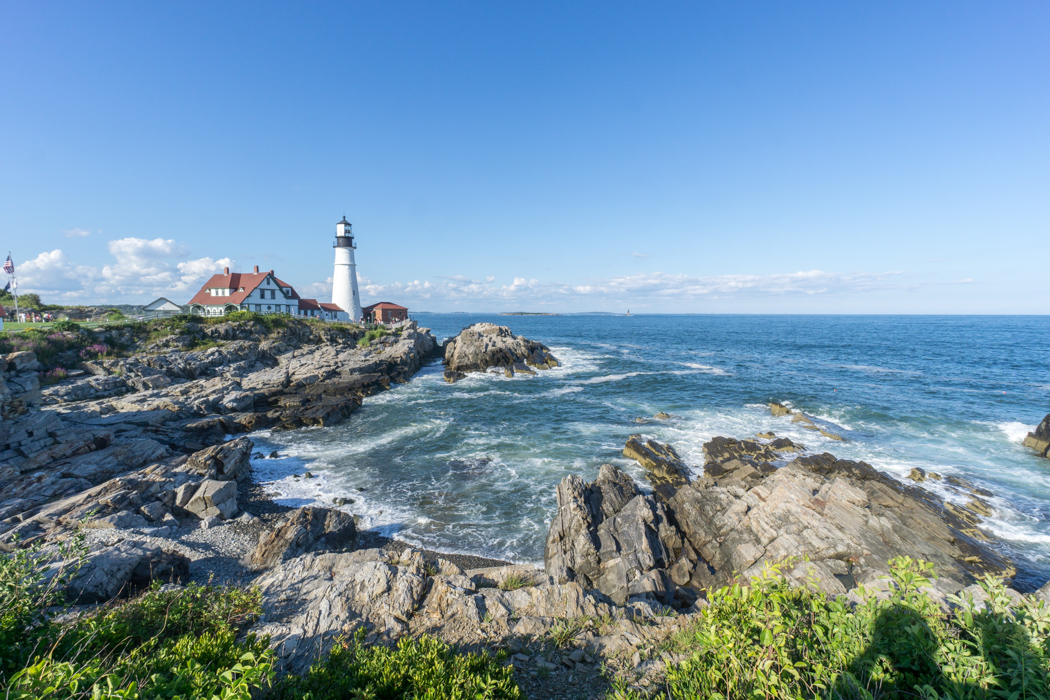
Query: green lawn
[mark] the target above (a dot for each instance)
(9, 326)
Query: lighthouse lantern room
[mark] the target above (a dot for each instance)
(344, 279)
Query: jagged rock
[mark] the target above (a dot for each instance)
(785, 445)
(126, 567)
(230, 460)
(305, 530)
(779, 409)
(123, 521)
(572, 540)
(312, 600)
(666, 470)
(917, 475)
(848, 519)
(1039, 439)
(660, 415)
(486, 345)
(721, 449)
(1044, 593)
(214, 498)
(607, 535)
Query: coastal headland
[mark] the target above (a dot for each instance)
(138, 448)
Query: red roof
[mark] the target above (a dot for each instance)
(385, 305)
(309, 305)
(330, 306)
(237, 281)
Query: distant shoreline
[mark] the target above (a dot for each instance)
(527, 313)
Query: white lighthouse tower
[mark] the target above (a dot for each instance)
(344, 279)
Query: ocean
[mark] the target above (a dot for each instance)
(472, 467)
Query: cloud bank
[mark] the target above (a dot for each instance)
(644, 289)
(140, 268)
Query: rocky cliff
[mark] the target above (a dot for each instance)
(833, 522)
(117, 444)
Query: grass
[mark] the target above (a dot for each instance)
(371, 335)
(516, 581)
(415, 668)
(563, 633)
(189, 642)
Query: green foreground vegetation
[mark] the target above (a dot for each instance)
(767, 640)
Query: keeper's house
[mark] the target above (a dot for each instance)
(261, 292)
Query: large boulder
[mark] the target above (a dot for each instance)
(214, 498)
(486, 345)
(124, 568)
(1039, 439)
(230, 460)
(312, 600)
(609, 536)
(305, 530)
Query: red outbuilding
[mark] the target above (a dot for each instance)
(384, 312)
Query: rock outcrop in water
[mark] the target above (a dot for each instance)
(484, 346)
(833, 521)
(1039, 439)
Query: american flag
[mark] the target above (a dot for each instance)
(9, 267)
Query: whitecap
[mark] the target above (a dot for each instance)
(706, 369)
(1015, 431)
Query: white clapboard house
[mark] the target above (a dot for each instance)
(261, 292)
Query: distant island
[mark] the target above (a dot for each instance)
(527, 313)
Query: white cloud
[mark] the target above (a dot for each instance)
(639, 255)
(141, 268)
(76, 233)
(53, 272)
(317, 290)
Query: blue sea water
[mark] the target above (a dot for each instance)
(472, 467)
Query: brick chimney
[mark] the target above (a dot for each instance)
(225, 270)
(256, 269)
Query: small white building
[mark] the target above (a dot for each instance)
(312, 308)
(162, 307)
(261, 292)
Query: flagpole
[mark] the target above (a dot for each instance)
(14, 284)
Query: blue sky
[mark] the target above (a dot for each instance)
(683, 157)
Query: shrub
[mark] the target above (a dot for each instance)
(371, 335)
(46, 343)
(776, 640)
(25, 593)
(180, 643)
(53, 376)
(423, 668)
(66, 326)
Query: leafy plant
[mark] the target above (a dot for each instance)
(773, 639)
(423, 668)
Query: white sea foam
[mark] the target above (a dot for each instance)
(706, 369)
(562, 391)
(611, 378)
(872, 369)
(1015, 430)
